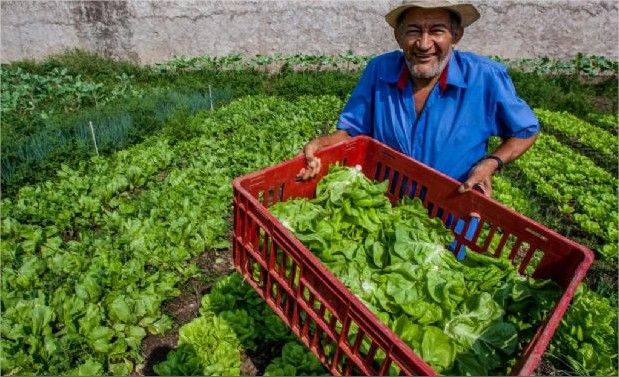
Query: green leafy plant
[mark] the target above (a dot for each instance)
(579, 187)
(296, 360)
(586, 340)
(215, 344)
(90, 256)
(463, 318)
(599, 144)
(182, 361)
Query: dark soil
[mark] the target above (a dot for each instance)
(547, 368)
(213, 264)
(183, 309)
(261, 357)
(602, 104)
(603, 277)
(155, 349)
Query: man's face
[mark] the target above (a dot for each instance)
(426, 39)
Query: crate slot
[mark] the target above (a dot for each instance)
(450, 222)
(307, 296)
(282, 263)
(282, 300)
(271, 197)
(304, 325)
(367, 350)
(297, 318)
(379, 167)
(309, 328)
(529, 265)
(320, 309)
(256, 272)
(263, 243)
(294, 278)
(431, 210)
(413, 190)
(261, 198)
(506, 240)
(489, 237)
(345, 367)
(316, 342)
(394, 182)
(422, 194)
(280, 191)
(403, 187)
(386, 173)
(276, 258)
(440, 213)
(333, 322)
(519, 251)
(274, 292)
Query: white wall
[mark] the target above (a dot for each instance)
(153, 31)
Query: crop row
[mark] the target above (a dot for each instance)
(580, 188)
(89, 257)
(608, 122)
(596, 142)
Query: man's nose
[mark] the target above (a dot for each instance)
(424, 42)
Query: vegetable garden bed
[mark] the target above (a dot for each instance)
(96, 250)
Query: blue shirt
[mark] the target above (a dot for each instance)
(473, 100)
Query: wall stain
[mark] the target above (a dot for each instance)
(104, 26)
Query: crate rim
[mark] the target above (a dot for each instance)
(558, 309)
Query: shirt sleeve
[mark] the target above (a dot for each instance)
(357, 116)
(513, 116)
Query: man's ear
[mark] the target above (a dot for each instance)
(458, 35)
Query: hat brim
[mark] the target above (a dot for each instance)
(467, 12)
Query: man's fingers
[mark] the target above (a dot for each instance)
(487, 186)
(466, 186)
(310, 170)
(308, 151)
(480, 183)
(314, 167)
(300, 174)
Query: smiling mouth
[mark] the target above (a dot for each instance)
(422, 58)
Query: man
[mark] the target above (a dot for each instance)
(433, 103)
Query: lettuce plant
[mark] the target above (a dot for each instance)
(464, 318)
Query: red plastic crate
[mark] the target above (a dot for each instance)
(320, 310)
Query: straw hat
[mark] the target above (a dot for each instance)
(467, 12)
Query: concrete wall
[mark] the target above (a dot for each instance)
(153, 31)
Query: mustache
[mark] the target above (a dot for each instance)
(417, 70)
(411, 56)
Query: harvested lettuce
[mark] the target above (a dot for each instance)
(462, 318)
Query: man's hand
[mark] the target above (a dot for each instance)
(481, 174)
(481, 177)
(312, 163)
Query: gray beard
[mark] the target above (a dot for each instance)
(432, 73)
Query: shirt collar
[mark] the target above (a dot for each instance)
(451, 75)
